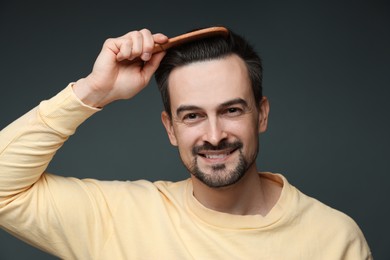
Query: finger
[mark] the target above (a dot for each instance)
(151, 66)
(125, 47)
(160, 38)
(148, 44)
(137, 43)
(130, 46)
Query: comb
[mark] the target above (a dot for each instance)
(191, 36)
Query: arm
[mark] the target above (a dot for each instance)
(33, 204)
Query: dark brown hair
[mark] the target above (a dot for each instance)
(216, 47)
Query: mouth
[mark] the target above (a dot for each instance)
(216, 155)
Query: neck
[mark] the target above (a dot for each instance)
(251, 195)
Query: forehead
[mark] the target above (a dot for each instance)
(209, 83)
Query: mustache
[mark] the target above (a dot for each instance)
(221, 145)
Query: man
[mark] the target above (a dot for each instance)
(214, 112)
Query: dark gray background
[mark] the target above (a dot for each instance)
(326, 75)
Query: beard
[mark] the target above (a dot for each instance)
(219, 174)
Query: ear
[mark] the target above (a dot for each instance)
(167, 122)
(263, 114)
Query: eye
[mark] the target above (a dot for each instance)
(192, 117)
(233, 111)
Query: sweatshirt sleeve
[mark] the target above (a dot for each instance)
(28, 144)
(28, 196)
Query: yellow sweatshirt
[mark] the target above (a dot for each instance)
(91, 219)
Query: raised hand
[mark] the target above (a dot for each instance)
(123, 68)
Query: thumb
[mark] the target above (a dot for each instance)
(151, 66)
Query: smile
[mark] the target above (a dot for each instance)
(216, 154)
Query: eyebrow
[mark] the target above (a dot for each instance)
(184, 108)
(236, 101)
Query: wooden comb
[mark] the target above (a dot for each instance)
(191, 36)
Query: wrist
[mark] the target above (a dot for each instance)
(85, 91)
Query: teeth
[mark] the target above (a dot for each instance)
(215, 156)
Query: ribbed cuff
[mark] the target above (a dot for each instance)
(65, 112)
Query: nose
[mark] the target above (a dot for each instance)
(215, 131)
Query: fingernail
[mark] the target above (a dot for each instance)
(146, 56)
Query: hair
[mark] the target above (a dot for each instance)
(206, 49)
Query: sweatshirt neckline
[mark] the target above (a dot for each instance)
(242, 222)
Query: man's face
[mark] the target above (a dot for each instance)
(215, 120)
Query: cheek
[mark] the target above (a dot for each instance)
(187, 137)
(242, 129)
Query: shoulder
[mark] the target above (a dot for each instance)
(306, 207)
(137, 191)
(325, 231)
(337, 231)
(134, 188)
(319, 213)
